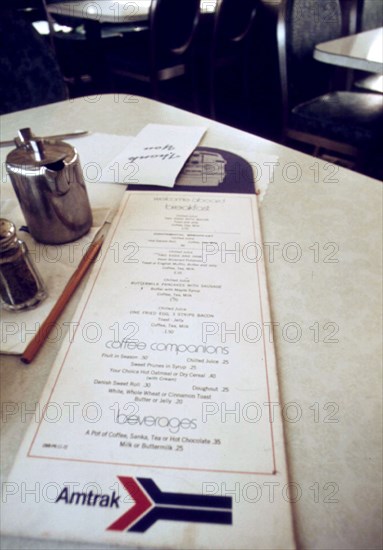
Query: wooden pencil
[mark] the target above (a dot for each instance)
(40, 337)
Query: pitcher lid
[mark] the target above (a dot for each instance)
(35, 152)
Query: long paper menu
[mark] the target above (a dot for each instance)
(158, 425)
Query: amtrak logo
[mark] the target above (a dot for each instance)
(151, 505)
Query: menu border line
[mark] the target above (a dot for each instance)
(263, 342)
(74, 334)
(153, 466)
(247, 197)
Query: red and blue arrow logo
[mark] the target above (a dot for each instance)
(151, 505)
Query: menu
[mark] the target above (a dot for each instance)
(158, 426)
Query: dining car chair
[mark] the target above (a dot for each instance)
(165, 52)
(349, 123)
(67, 42)
(29, 73)
(33, 11)
(230, 46)
(369, 15)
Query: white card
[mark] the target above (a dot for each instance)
(155, 157)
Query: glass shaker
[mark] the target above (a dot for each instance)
(21, 287)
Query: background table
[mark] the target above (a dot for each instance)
(113, 11)
(362, 51)
(373, 83)
(326, 226)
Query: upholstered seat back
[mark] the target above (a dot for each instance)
(29, 74)
(307, 23)
(370, 14)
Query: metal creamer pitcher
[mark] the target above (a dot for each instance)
(48, 181)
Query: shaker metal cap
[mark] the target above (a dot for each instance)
(7, 233)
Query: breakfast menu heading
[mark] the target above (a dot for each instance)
(160, 403)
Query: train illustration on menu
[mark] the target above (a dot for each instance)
(203, 169)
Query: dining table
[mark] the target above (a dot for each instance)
(362, 51)
(322, 226)
(108, 18)
(112, 11)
